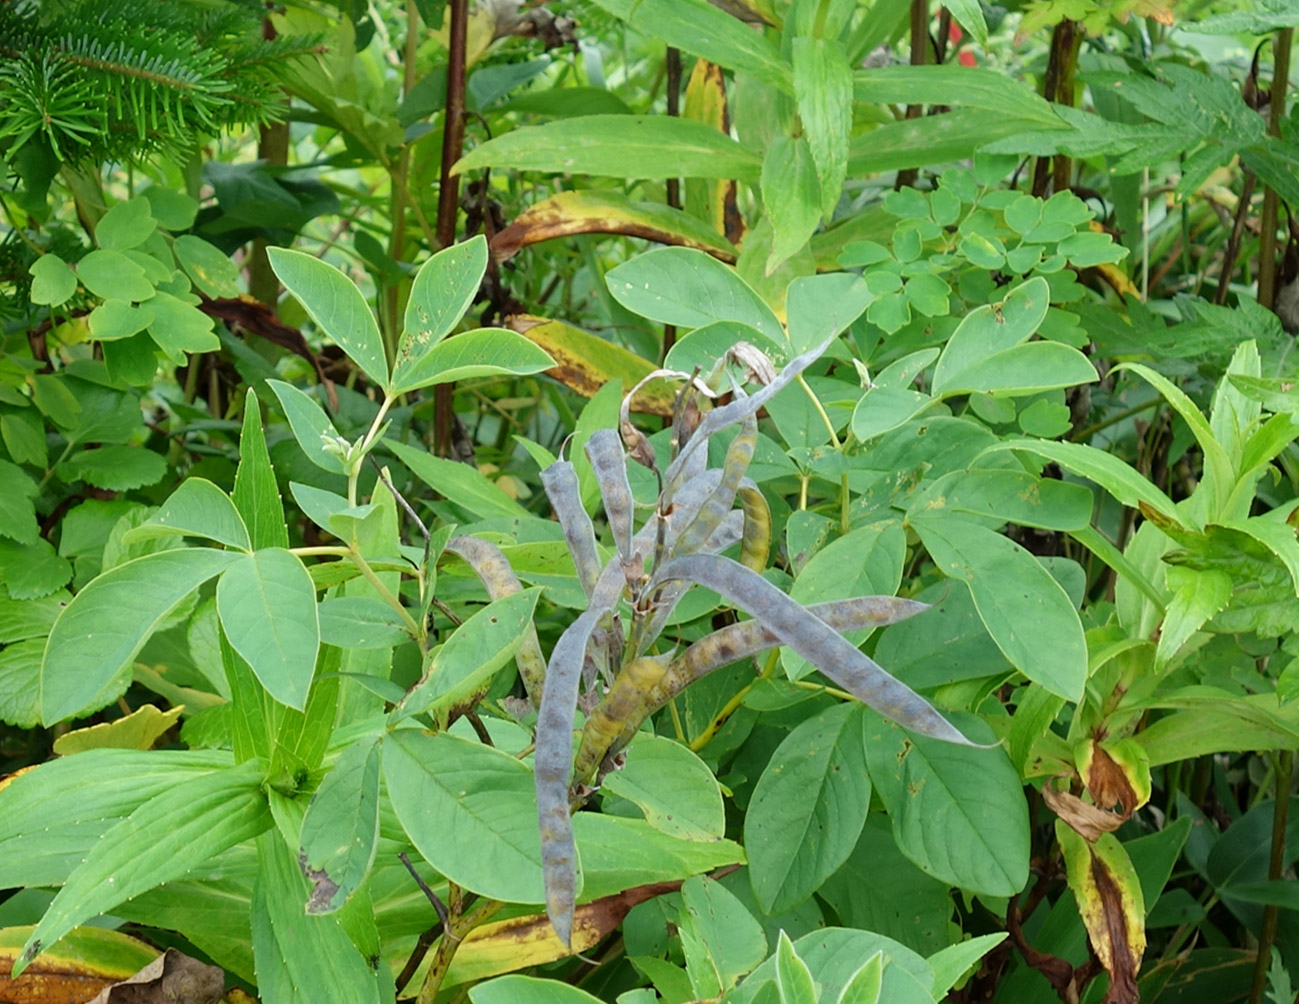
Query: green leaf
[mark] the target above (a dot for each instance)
(304, 959)
(20, 673)
(883, 409)
(482, 352)
(823, 89)
(460, 483)
(933, 139)
(337, 307)
(823, 305)
(865, 985)
(469, 810)
(992, 329)
(114, 320)
(528, 990)
(688, 288)
(310, 426)
(126, 225)
(115, 468)
(340, 831)
(722, 941)
(212, 271)
(110, 274)
(30, 571)
(108, 622)
(958, 812)
(793, 978)
(17, 510)
(969, 15)
(1009, 495)
(267, 605)
(955, 961)
(1105, 469)
(620, 853)
(699, 28)
(53, 281)
(23, 619)
(808, 808)
(791, 197)
(361, 622)
(1026, 611)
(443, 290)
(653, 147)
(471, 656)
(673, 788)
(972, 87)
(163, 839)
(256, 494)
(1197, 596)
(172, 210)
(1219, 472)
(198, 508)
(180, 327)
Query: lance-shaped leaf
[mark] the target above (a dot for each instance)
(444, 287)
(198, 508)
(340, 831)
(256, 495)
(474, 652)
(596, 212)
(337, 307)
(738, 456)
(618, 146)
(482, 352)
(815, 641)
(498, 578)
(109, 621)
(739, 409)
(565, 494)
(267, 606)
(1112, 905)
(604, 450)
(823, 88)
(161, 840)
(625, 700)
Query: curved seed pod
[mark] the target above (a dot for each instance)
(747, 638)
(738, 456)
(498, 578)
(756, 542)
(669, 595)
(739, 409)
(815, 641)
(553, 761)
(604, 450)
(625, 701)
(560, 482)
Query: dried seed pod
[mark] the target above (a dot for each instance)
(560, 483)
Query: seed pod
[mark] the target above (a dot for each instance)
(560, 482)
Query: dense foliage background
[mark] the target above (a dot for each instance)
(647, 500)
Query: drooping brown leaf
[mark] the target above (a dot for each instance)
(171, 978)
(83, 963)
(1106, 781)
(593, 212)
(585, 362)
(1112, 906)
(1086, 819)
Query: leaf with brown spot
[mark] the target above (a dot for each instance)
(594, 212)
(81, 965)
(1112, 906)
(1124, 781)
(586, 362)
(714, 201)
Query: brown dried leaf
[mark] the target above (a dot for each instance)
(1092, 823)
(1106, 781)
(172, 978)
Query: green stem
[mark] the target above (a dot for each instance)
(705, 737)
(372, 577)
(1086, 433)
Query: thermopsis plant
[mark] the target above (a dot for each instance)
(693, 521)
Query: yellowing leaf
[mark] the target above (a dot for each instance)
(137, 731)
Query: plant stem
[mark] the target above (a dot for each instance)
(705, 737)
(453, 138)
(919, 57)
(458, 926)
(385, 594)
(1280, 809)
(1281, 46)
(1233, 242)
